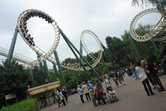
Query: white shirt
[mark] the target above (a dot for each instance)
(112, 92)
(142, 74)
(106, 82)
(85, 89)
(60, 95)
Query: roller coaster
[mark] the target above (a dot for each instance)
(21, 27)
(18, 57)
(158, 28)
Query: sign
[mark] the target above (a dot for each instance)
(10, 96)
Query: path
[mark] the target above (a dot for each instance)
(132, 97)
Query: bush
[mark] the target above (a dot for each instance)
(26, 105)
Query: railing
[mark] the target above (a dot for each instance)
(18, 57)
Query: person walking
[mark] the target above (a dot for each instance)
(79, 90)
(106, 82)
(145, 66)
(143, 78)
(43, 104)
(100, 90)
(153, 70)
(61, 96)
(57, 99)
(85, 91)
(116, 79)
(64, 91)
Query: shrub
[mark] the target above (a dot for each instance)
(25, 105)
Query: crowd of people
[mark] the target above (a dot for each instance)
(148, 71)
(96, 92)
(145, 71)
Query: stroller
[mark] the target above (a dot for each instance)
(112, 95)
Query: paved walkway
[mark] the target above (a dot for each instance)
(132, 97)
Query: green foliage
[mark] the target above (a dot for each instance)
(70, 60)
(124, 52)
(39, 76)
(26, 105)
(105, 71)
(160, 4)
(72, 77)
(116, 48)
(13, 79)
(130, 53)
(161, 52)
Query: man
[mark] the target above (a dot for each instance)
(143, 78)
(153, 70)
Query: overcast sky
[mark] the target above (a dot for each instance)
(104, 18)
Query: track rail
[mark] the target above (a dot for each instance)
(22, 26)
(155, 30)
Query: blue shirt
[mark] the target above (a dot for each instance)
(90, 86)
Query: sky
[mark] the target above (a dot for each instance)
(104, 18)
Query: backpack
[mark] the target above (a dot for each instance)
(155, 65)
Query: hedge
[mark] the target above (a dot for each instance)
(25, 105)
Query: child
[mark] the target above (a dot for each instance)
(92, 94)
(113, 97)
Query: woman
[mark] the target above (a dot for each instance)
(106, 82)
(144, 63)
(100, 90)
(79, 90)
(143, 78)
(86, 91)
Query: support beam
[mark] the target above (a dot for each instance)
(69, 42)
(31, 72)
(70, 46)
(10, 53)
(107, 53)
(46, 69)
(81, 52)
(154, 45)
(54, 66)
(135, 47)
(59, 67)
(48, 98)
(40, 64)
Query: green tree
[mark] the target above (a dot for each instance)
(13, 79)
(117, 49)
(146, 48)
(39, 76)
(105, 70)
(130, 54)
(160, 4)
(161, 52)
